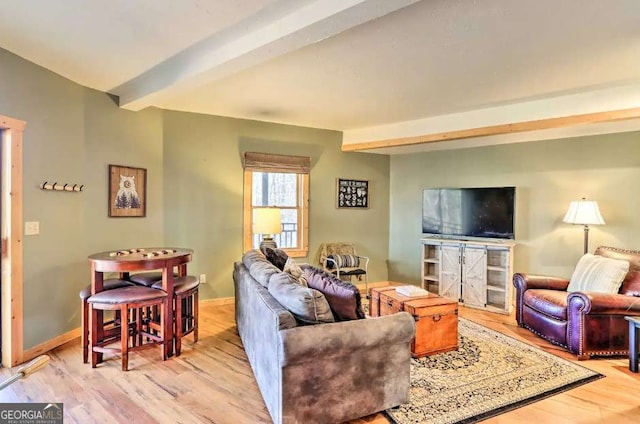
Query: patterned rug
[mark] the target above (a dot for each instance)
(488, 375)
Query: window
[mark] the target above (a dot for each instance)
(282, 182)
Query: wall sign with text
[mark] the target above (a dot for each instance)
(352, 193)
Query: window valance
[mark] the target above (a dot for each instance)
(268, 162)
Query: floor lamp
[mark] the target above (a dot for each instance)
(584, 212)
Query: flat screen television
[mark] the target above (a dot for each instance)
(486, 212)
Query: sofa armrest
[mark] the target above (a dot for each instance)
(526, 281)
(306, 343)
(604, 303)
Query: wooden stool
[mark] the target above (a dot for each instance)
(147, 279)
(185, 306)
(127, 299)
(111, 327)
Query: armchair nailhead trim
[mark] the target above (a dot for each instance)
(580, 332)
(581, 340)
(545, 337)
(619, 250)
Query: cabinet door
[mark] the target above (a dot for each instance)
(450, 272)
(474, 276)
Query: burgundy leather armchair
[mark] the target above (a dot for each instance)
(587, 324)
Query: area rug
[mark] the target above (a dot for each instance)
(489, 374)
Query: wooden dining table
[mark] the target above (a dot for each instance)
(165, 259)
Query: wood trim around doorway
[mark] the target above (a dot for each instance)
(11, 234)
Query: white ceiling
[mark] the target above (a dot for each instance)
(337, 64)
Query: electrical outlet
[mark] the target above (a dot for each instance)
(31, 228)
(203, 278)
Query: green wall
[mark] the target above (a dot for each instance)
(547, 176)
(54, 151)
(194, 185)
(72, 135)
(203, 185)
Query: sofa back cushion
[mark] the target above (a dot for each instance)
(631, 283)
(259, 267)
(253, 300)
(595, 273)
(343, 297)
(307, 305)
(251, 256)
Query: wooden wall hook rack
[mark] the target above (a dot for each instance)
(61, 187)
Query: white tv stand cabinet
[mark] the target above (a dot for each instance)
(476, 273)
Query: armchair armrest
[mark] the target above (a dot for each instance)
(307, 343)
(366, 261)
(604, 303)
(526, 281)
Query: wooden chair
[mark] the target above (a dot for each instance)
(110, 327)
(130, 302)
(341, 259)
(185, 306)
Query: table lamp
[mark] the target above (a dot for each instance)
(267, 221)
(584, 212)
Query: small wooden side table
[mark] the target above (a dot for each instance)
(634, 342)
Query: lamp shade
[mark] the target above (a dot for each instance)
(584, 212)
(267, 221)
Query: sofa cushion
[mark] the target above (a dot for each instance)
(307, 305)
(252, 300)
(595, 273)
(631, 284)
(262, 272)
(252, 256)
(277, 257)
(552, 303)
(343, 297)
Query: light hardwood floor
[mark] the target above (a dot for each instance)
(212, 382)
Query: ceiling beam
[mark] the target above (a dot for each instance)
(501, 129)
(280, 28)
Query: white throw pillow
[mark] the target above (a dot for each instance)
(292, 268)
(595, 273)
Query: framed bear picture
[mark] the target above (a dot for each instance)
(127, 191)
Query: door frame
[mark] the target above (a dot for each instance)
(11, 238)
